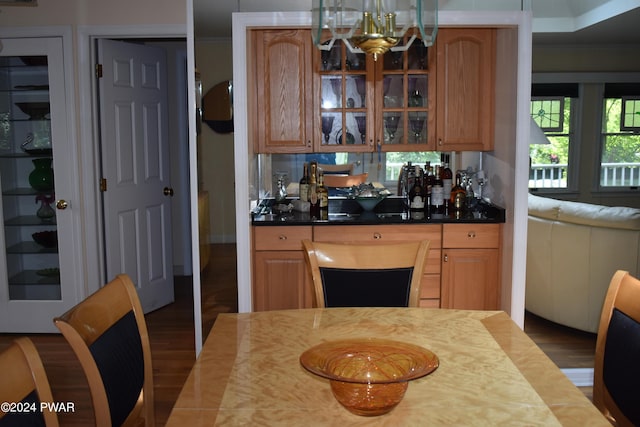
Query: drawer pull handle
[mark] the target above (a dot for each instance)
(471, 234)
(282, 237)
(377, 236)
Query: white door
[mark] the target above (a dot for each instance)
(135, 166)
(37, 282)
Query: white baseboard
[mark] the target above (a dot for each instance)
(580, 377)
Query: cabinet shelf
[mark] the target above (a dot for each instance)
(31, 277)
(21, 191)
(24, 220)
(30, 248)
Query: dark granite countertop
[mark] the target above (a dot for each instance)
(344, 211)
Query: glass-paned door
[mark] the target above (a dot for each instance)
(34, 285)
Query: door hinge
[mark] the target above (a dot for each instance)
(103, 184)
(99, 71)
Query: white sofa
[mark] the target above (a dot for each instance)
(573, 250)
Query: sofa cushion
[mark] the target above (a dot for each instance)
(584, 213)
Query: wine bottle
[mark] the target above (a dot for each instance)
(314, 205)
(323, 194)
(447, 177)
(416, 194)
(458, 195)
(304, 184)
(437, 193)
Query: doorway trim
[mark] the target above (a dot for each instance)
(89, 132)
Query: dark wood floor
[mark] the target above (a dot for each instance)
(172, 342)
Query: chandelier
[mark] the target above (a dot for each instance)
(373, 26)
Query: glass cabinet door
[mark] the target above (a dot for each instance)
(345, 100)
(34, 284)
(405, 81)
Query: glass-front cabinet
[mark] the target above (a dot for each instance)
(34, 283)
(383, 105)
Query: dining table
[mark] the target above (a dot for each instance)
(490, 372)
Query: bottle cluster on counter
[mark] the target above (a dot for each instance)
(432, 191)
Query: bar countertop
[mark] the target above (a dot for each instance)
(343, 211)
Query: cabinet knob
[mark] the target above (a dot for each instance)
(439, 141)
(377, 236)
(471, 234)
(446, 258)
(282, 237)
(168, 191)
(62, 204)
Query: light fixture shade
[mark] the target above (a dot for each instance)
(536, 136)
(373, 26)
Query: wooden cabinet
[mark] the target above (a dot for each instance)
(471, 266)
(423, 99)
(430, 289)
(280, 277)
(465, 89)
(462, 270)
(283, 91)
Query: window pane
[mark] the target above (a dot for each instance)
(550, 162)
(620, 161)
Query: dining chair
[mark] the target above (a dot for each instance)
(616, 373)
(365, 274)
(108, 334)
(343, 181)
(24, 382)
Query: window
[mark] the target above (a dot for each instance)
(620, 157)
(552, 107)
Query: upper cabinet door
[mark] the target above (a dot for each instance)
(466, 85)
(283, 98)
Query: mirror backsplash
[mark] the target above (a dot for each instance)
(380, 167)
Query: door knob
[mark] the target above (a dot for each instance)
(62, 204)
(168, 191)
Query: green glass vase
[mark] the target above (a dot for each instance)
(41, 178)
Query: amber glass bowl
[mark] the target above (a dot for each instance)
(369, 376)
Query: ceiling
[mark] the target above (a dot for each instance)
(565, 22)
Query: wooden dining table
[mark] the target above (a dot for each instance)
(490, 372)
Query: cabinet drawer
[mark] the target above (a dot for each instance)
(281, 238)
(471, 236)
(379, 233)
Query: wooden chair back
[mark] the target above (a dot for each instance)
(344, 181)
(366, 275)
(24, 381)
(108, 333)
(617, 369)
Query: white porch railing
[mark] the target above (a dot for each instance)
(612, 175)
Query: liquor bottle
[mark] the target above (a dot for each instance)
(314, 203)
(437, 193)
(323, 195)
(447, 177)
(416, 194)
(458, 195)
(428, 178)
(304, 184)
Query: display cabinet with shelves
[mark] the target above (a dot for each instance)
(40, 272)
(26, 179)
(368, 105)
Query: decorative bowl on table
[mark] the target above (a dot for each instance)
(48, 239)
(369, 376)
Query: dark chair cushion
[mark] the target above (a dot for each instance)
(31, 418)
(621, 370)
(366, 288)
(118, 354)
